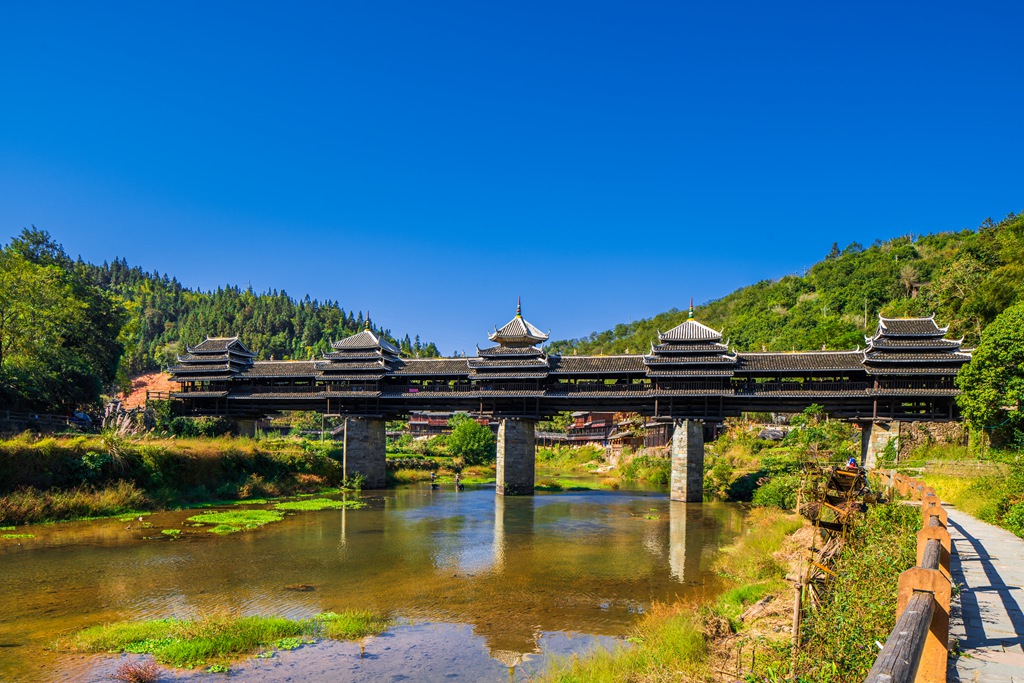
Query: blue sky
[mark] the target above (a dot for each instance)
(433, 161)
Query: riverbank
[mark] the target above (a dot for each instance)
(746, 633)
(689, 639)
(60, 478)
(988, 484)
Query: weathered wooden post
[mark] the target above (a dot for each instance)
(916, 581)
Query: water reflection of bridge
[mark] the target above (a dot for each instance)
(534, 543)
(906, 373)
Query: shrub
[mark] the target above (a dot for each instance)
(472, 441)
(648, 468)
(137, 671)
(1014, 519)
(859, 605)
(778, 492)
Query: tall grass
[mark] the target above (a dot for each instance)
(28, 506)
(579, 458)
(859, 606)
(44, 479)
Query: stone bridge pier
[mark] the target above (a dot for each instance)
(687, 461)
(875, 438)
(517, 456)
(365, 450)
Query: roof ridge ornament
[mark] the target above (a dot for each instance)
(519, 307)
(690, 317)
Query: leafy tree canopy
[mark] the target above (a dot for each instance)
(470, 440)
(993, 382)
(69, 329)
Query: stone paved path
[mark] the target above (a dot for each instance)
(987, 619)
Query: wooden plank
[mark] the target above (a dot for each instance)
(932, 553)
(901, 655)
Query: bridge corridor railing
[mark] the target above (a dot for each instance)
(810, 387)
(917, 649)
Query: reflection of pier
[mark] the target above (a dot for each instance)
(685, 540)
(498, 544)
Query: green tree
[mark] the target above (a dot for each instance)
(558, 423)
(470, 440)
(992, 384)
(59, 333)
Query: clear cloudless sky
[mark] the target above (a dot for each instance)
(433, 161)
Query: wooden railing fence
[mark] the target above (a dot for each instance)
(917, 649)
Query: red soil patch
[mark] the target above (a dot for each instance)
(153, 381)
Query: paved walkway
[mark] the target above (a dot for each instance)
(987, 619)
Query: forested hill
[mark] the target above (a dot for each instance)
(70, 330)
(164, 316)
(965, 278)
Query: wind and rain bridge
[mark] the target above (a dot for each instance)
(690, 377)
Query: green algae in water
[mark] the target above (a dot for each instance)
(132, 516)
(7, 528)
(236, 520)
(252, 501)
(170, 532)
(213, 641)
(13, 536)
(313, 504)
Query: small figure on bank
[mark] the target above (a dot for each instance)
(433, 480)
(851, 464)
(458, 482)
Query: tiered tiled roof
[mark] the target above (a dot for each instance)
(363, 356)
(214, 359)
(912, 346)
(690, 349)
(518, 332)
(515, 356)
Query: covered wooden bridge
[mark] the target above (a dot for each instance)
(905, 373)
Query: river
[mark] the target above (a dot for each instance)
(483, 587)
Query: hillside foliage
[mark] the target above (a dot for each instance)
(164, 317)
(964, 278)
(69, 330)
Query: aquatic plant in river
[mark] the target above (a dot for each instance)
(192, 643)
(237, 520)
(313, 504)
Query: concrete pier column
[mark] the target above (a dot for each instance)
(365, 450)
(874, 439)
(688, 461)
(516, 457)
(246, 427)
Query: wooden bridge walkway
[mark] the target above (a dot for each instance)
(988, 617)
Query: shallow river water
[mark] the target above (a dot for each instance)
(484, 588)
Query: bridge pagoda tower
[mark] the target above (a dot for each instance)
(905, 358)
(690, 350)
(516, 358)
(354, 369)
